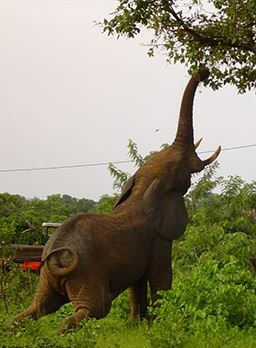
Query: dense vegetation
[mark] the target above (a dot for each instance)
(21, 219)
(213, 300)
(220, 34)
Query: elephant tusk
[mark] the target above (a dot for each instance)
(213, 156)
(197, 143)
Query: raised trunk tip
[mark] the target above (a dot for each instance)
(185, 134)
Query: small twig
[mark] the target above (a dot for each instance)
(2, 287)
(31, 226)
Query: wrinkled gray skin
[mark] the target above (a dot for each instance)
(92, 258)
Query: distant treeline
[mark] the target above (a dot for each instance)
(21, 218)
(233, 207)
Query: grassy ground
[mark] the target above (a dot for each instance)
(114, 332)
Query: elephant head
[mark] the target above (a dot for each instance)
(164, 179)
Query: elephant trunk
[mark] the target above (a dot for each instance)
(185, 134)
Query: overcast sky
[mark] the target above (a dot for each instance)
(71, 95)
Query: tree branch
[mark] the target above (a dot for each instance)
(207, 40)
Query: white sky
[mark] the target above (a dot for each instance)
(71, 95)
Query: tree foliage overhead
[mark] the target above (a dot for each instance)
(220, 34)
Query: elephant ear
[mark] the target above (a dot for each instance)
(126, 191)
(165, 210)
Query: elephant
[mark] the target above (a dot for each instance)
(92, 257)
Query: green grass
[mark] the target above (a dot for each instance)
(115, 332)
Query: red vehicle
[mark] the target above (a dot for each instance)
(29, 256)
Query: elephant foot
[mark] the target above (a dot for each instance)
(133, 319)
(31, 311)
(73, 321)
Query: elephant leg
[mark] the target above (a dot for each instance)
(46, 300)
(134, 305)
(53, 302)
(138, 299)
(89, 300)
(160, 270)
(161, 282)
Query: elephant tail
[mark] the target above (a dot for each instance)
(61, 261)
